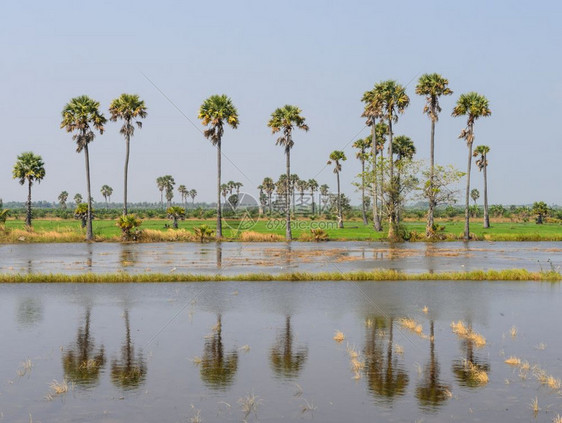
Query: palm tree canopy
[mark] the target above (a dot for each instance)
(403, 147)
(482, 151)
(362, 145)
(82, 114)
(337, 156)
(106, 191)
(128, 107)
(432, 86)
(215, 112)
(285, 119)
(268, 185)
(29, 167)
(474, 106)
(386, 99)
(312, 184)
(324, 189)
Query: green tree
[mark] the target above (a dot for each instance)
(128, 223)
(362, 145)
(184, 194)
(29, 168)
(541, 210)
(176, 213)
(313, 187)
(78, 199)
(82, 116)
(161, 184)
(215, 112)
(336, 157)
(432, 86)
(106, 191)
(404, 149)
(63, 196)
(268, 186)
(169, 182)
(482, 163)
(473, 106)
(285, 119)
(324, 191)
(475, 195)
(82, 212)
(130, 109)
(193, 194)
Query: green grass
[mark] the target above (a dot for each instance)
(354, 230)
(377, 275)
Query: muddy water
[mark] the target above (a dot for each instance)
(233, 258)
(171, 352)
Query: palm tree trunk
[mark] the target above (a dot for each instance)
(430, 211)
(28, 214)
(392, 194)
(126, 174)
(376, 218)
(486, 215)
(312, 195)
(89, 231)
(365, 221)
(340, 217)
(288, 234)
(466, 212)
(270, 206)
(219, 215)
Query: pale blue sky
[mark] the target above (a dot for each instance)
(319, 55)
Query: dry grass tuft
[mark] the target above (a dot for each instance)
(535, 406)
(58, 388)
(462, 331)
(398, 349)
(251, 236)
(513, 331)
(476, 374)
(249, 404)
(411, 324)
(425, 309)
(513, 361)
(170, 235)
(25, 368)
(339, 336)
(557, 419)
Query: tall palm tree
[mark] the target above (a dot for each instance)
(482, 163)
(373, 111)
(302, 186)
(29, 168)
(391, 98)
(324, 191)
(63, 196)
(293, 186)
(106, 191)
(215, 112)
(161, 184)
(184, 193)
(432, 86)
(474, 106)
(268, 186)
(362, 145)
(285, 119)
(169, 183)
(82, 116)
(193, 194)
(129, 108)
(337, 157)
(312, 186)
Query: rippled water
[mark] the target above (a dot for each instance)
(233, 258)
(169, 352)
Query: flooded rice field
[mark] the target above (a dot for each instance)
(278, 352)
(236, 258)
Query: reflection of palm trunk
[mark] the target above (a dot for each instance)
(219, 254)
(128, 347)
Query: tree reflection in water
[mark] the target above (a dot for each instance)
(82, 362)
(217, 367)
(431, 393)
(464, 375)
(287, 360)
(127, 256)
(129, 372)
(385, 376)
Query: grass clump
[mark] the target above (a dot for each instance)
(476, 374)
(339, 336)
(513, 361)
(411, 325)
(465, 332)
(251, 236)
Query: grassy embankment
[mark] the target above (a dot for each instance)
(377, 275)
(154, 230)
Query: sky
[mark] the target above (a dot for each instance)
(319, 55)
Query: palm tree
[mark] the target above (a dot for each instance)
(362, 145)
(474, 106)
(285, 119)
(312, 186)
(63, 196)
(215, 112)
(169, 183)
(184, 193)
(475, 195)
(541, 210)
(161, 184)
(482, 163)
(237, 186)
(192, 193)
(432, 86)
(302, 186)
(82, 116)
(268, 186)
(176, 213)
(391, 99)
(404, 149)
(324, 191)
(337, 157)
(29, 168)
(293, 186)
(129, 108)
(225, 190)
(78, 199)
(373, 111)
(106, 191)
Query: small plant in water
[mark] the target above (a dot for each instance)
(411, 324)
(557, 419)
(25, 368)
(339, 336)
(513, 331)
(249, 404)
(535, 406)
(513, 361)
(476, 374)
(466, 332)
